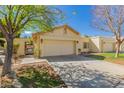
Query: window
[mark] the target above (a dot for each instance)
(85, 45)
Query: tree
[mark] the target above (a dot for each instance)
(111, 19)
(15, 19)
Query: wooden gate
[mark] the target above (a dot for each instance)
(29, 48)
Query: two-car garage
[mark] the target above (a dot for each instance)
(62, 40)
(58, 47)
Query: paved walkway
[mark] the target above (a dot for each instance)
(83, 72)
(27, 59)
(31, 59)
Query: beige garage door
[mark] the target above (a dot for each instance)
(108, 47)
(58, 47)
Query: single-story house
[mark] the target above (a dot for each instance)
(103, 44)
(62, 40)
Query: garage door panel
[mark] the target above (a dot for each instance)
(58, 47)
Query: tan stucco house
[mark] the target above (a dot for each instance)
(104, 44)
(62, 40)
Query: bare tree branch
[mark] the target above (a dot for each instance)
(111, 18)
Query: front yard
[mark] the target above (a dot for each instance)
(34, 75)
(108, 57)
(39, 75)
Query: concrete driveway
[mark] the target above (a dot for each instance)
(83, 72)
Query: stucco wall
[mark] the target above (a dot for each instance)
(21, 42)
(122, 47)
(62, 34)
(81, 44)
(95, 44)
(101, 44)
(107, 44)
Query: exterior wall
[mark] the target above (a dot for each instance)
(95, 44)
(60, 34)
(122, 47)
(21, 42)
(107, 44)
(103, 44)
(81, 44)
(37, 42)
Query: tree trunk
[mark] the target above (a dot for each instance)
(117, 49)
(8, 57)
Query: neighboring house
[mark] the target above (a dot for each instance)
(104, 44)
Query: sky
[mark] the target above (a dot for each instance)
(80, 17)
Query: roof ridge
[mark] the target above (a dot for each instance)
(56, 27)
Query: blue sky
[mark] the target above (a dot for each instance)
(79, 17)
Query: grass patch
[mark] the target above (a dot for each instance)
(107, 56)
(39, 77)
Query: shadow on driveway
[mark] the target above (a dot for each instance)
(68, 58)
(78, 76)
